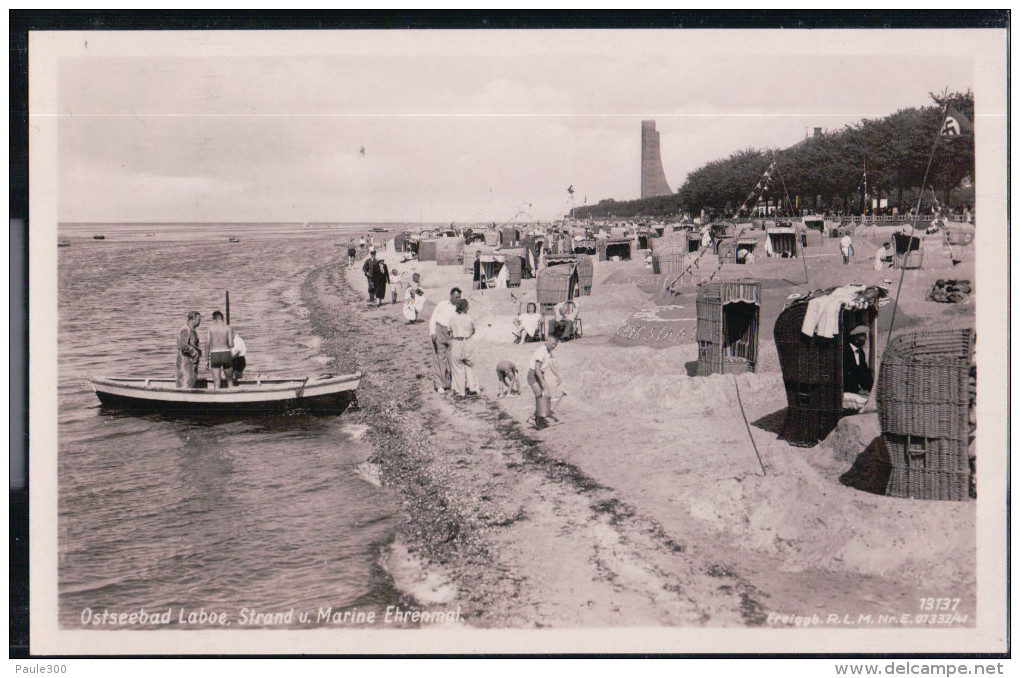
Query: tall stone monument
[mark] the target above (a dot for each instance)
(653, 179)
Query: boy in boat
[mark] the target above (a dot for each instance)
(220, 345)
(239, 362)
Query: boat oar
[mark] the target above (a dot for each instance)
(301, 389)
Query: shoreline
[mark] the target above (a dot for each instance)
(459, 522)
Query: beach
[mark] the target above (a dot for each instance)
(646, 504)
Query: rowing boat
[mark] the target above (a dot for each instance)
(324, 394)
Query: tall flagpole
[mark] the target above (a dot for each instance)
(913, 224)
(864, 204)
(796, 229)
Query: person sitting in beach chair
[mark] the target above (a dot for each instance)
(565, 324)
(857, 377)
(527, 325)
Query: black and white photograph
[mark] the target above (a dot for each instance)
(518, 341)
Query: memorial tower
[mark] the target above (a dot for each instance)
(653, 179)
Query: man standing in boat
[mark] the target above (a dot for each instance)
(188, 352)
(220, 347)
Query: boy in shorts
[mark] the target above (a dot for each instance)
(506, 375)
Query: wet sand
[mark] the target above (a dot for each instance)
(646, 505)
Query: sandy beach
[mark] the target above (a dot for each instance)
(646, 504)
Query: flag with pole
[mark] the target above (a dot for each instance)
(957, 124)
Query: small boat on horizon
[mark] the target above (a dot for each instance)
(99, 236)
(325, 394)
(63, 243)
(378, 229)
(233, 239)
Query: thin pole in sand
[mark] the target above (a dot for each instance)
(228, 307)
(945, 231)
(913, 224)
(748, 426)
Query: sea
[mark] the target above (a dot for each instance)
(233, 516)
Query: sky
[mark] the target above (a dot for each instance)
(437, 126)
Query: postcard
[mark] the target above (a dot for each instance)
(518, 341)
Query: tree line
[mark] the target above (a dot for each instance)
(825, 172)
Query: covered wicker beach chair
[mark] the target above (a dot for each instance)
(566, 244)
(693, 241)
(586, 246)
(727, 332)
(556, 284)
(559, 259)
(470, 252)
(399, 241)
(668, 240)
(781, 241)
(610, 248)
(643, 239)
(909, 253)
(585, 275)
(514, 258)
(742, 248)
(812, 365)
(924, 397)
(718, 232)
(449, 251)
(509, 236)
(669, 260)
(485, 271)
(490, 237)
(613, 248)
(427, 249)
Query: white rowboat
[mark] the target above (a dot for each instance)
(326, 393)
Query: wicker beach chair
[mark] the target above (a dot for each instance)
(924, 396)
(813, 370)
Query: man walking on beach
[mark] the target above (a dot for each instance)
(368, 268)
(462, 373)
(380, 276)
(439, 331)
(846, 247)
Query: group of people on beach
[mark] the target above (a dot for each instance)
(353, 248)
(224, 350)
(404, 286)
(450, 332)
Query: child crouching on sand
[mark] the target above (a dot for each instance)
(506, 375)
